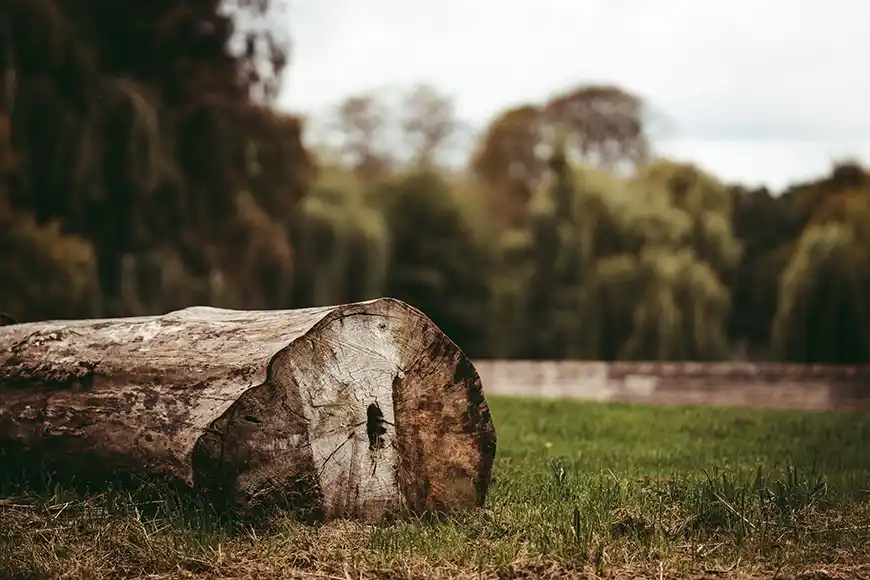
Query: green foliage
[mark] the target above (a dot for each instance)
(45, 273)
(440, 262)
(682, 312)
(625, 269)
(767, 228)
(342, 244)
(823, 310)
(823, 313)
(601, 267)
(142, 169)
(561, 254)
(514, 266)
(136, 129)
(706, 202)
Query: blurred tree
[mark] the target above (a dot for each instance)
(430, 125)
(137, 129)
(823, 312)
(45, 274)
(708, 205)
(441, 261)
(375, 131)
(603, 127)
(766, 227)
(562, 255)
(605, 123)
(342, 244)
(805, 198)
(506, 160)
(262, 48)
(513, 269)
(619, 268)
(362, 125)
(686, 251)
(661, 305)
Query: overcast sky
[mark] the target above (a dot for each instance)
(763, 91)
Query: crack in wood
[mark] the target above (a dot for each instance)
(331, 455)
(375, 427)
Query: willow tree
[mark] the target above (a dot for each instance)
(823, 312)
(341, 242)
(575, 219)
(441, 256)
(706, 202)
(677, 307)
(631, 224)
(139, 132)
(45, 272)
(650, 295)
(514, 267)
(768, 231)
(625, 268)
(561, 229)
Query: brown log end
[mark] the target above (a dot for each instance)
(373, 412)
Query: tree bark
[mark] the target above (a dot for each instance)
(359, 410)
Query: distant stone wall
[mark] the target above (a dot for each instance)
(811, 387)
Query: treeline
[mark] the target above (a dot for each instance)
(144, 169)
(142, 166)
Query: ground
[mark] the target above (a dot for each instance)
(581, 490)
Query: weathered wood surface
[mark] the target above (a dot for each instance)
(357, 410)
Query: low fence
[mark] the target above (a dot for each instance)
(810, 387)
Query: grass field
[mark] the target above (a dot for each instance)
(580, 490)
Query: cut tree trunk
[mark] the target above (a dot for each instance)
(359, 410)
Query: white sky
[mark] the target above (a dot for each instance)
(763, 91)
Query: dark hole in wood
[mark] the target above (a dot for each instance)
(252, 419)
(375, 427)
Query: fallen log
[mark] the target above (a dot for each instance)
(359, 410)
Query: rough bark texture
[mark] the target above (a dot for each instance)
(357, 410)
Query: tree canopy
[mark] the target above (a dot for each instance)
(144, 167)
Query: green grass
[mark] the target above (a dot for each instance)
(580, 490)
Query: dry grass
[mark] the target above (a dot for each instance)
(581, 491)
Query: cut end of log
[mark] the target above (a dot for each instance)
(372, 411)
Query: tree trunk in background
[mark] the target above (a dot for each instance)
(353, 411)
